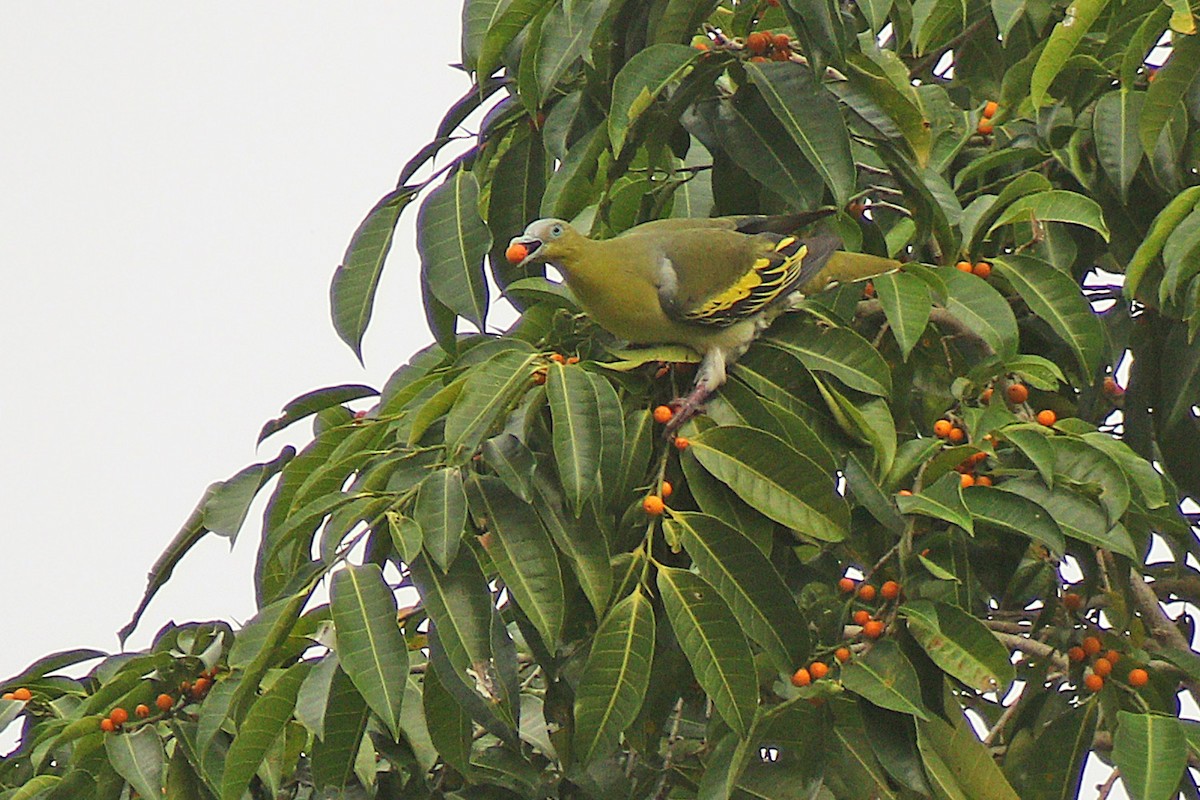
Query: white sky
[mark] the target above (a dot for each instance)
(178, 184)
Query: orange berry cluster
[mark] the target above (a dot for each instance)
(985, 126)
(945, 429)
(981, 268)
(1102, 664)
(21, 695)
(763, 45)
(872, 628)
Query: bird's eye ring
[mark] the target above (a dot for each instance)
(556, 230)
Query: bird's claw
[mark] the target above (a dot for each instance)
(685, 408)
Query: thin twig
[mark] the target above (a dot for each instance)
(936, 55)
(1008, 714)
(1107, 787)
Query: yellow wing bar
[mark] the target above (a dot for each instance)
(767, 278)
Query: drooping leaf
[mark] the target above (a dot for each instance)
(960, 644)
(956, 760)
(615, 677)
(566, 35)
(1053, 768)
(1063, 40)
(263, 723)
(453, 241)
(138, 758)
(1115, 129)
(1056, 205)
(1015, 514)
(838, 351)
(441, 513)
(943, 500)
(490, 390)
(982, 309)
(346, 717)
(1151, 752)
(577, 437)
(1165, 222)
(906, 302)
(642, 79)
(312, 402)
(886, 677)
(1170, 84)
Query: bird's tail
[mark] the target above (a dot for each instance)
(843, 267)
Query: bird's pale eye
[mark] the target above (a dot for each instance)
(556, 230)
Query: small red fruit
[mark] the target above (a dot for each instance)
(990, 109)
(986, 397)
(983, 269)
(873, 629)
(758, 42)
(985, 127)
(663, 414)
(8, 696)
(801, 677)
(572, 359)
(1093, 682)
(558, 358)
(963, 266)
(22, 694)
(107, 725)
(781, 41)
(862, 617)
(1047, 417)
(847, 585)
(164, 702)
(1017, 393)
(890, 590)
(866, 593)
(119, 716)
(842, 654)
(200, 688)
(1091, 645)
(1112, 656)
(516, 253)
(904, 493)
(539, 377)
(966, 480)
(956, 435)
(1076, 654)
(667, 489)
(142, 711)
(1138, 677)
(819, 669)
(653, 505)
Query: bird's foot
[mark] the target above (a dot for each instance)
(685, 408)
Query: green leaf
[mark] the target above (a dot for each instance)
(960, 644)
(346, 716)
(1115, 131)
(577, 435)
(615, 677)
(642, 79)
(748, 582)
(1138, 470)
(370, 647)
(407, 536)
(453, 241)
(495, 31)
(477, 17)
(441, 513)
(871, 497)
(39, 785)
(1167, 220)
(352, 293)
(957, 761)
(577, 539)
(1015, 514)
(933, 19)
(711, 638)
(566, 36)
(1056, 205)
(838, 351)
(138, 758)
(1169, 87)
(1055, 297)
(523, 553)
(1179, 258)
(771, 476)
(943, 500)
(1006, 13)
(1076, 515)
(716, 499)
(449, 725)
(976, 304)
(1053, 768)
(312, 402)
(1034, 443)
(1151, 752)
(906, 302)
(1091, 468)
(264, 722)
(1063, 40)
(886, 677)
(490, 390)
(811, 118)
(313, 696)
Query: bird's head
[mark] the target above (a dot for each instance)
(544, 241)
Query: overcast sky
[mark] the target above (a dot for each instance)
(179, 183)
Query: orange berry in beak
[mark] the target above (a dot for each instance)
(516, 253)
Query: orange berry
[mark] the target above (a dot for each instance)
(904, 493)
(119, 716)
(781, 41)
(801, 677)
(700, 45)
(22, 694)
(667, 489)
(1102, 667)
(1076, 654)
(653, 505)
(983, 480)
(979, 458)
(164, 702)
(1047, 417)
(142, 711)
(1017, 393)
(986, 397)
(847, 585)
(842, 654)
(1091, 645)
(942, 428)
(681, 443)
(758, 42)
(1093, 682)
(890, 590)
(985, 127)
(1138, 677)
(963, 266)
(862, 617)
(866, 593)
(663, 414)
(983, 269)
(956, 435)
(8, 696)
(200, 687)
(573, 359)
(516, 253)
(990, 109)
(966, 480)
(757, 59)
(1072, 601)
(558, 358)
(539, 378)
(781, 55)
(869, 290)
(773, 3)
(1112, 656)
(873, 629)
(819, 669)
(107, 725)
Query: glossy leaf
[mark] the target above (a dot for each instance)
(956, 760)
(577, 437)
(1076, 515)
(346, 716)
(1151, 752)
(489, 391)
(1053, 768)
(615, 677)
(1015, 514)
(441, 513)
(263, 723)
(712, 640)
(838, 351)
(1056, 205)
(453, 240)
(578, 540)
(1115, 129)
(960, 644)
(641, 80)
(943, 500)
(138, 758)
(565, 37)
(771, 476)
(502, 25)
(1165, 222)
(982, 309)
(885, 677)
(1168, 88)
(1063, 40)
(370, 647)
(906, 302)
(313, 402)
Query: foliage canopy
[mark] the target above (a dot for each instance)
(567, 644)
